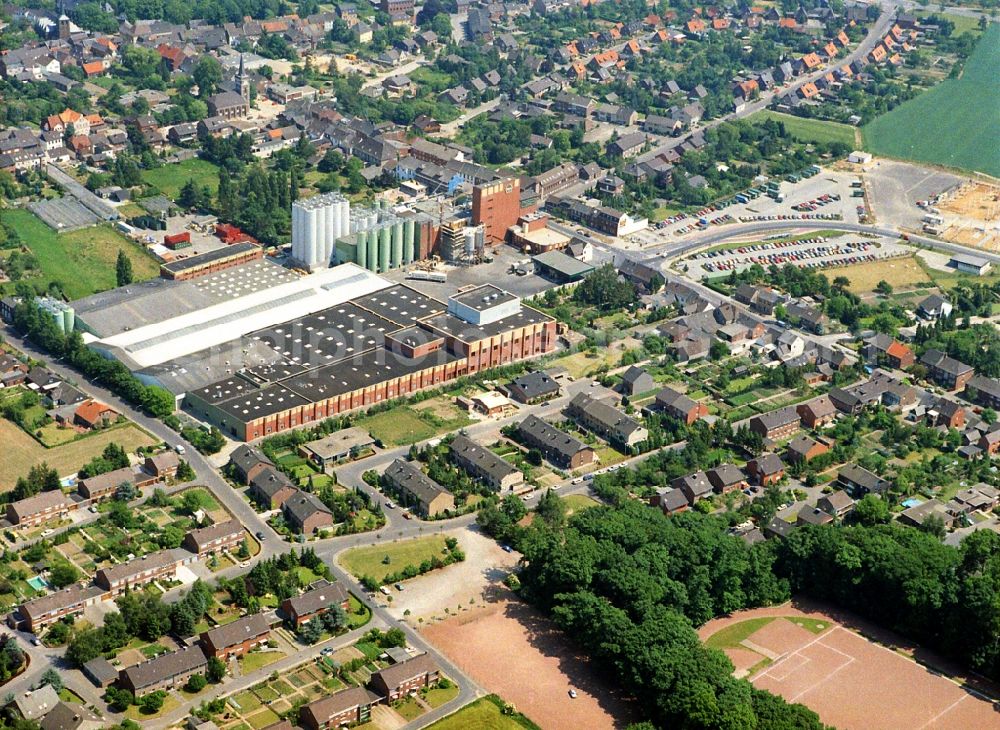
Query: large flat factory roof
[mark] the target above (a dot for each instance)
(367, 368)
(129, 307)
(261, 402)
(219, 254)
(466, 331)
(400, 304)
(231, 319)
(327, 335)
(484, 297)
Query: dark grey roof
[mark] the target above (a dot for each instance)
(321, 596)
(551, 437)
(270, 481)
(408, 477)
(534, 385)
(238, 631)
(497, 467)
(300, 507)
(163, 667)
(245, 457)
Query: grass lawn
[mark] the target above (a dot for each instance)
(405, 425)
(258, 659)
(169, 179)
(82, 261)
(731, 636)
(262, 719)
(356, 619)
(579, 502)
(409, 709)
(482, 715)
(369, 560)
(951, 123)
(170, 704)
(20, 452)
(810, 130)
(205, 500)
(266, 694)
(902, 273)
(663, 213)
(247, 701)
(437, 696)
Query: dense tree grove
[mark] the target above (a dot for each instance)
(604, 289)
(629, 584)
(42, 330)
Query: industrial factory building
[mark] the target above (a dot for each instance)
(326, 230)
(372, 348)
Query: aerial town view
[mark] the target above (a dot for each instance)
(481, 365)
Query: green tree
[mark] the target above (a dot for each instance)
(871, 510)
(119, 699)
(207, 74)
(63, 573)
(123, 269)
(52, 678)
(216, 670)
(196, 683)
(152, 703)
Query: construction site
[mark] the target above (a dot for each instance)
(970, 215)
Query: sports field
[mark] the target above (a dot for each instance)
(83, 261)
(169, 179)
(810, 130)
(953, 124)
(849, 680)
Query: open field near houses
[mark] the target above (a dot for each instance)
(371, 560)
(902, 274)
(82, 261)
(811, 130)
(169, 179)
(20, 452)
(952, 124)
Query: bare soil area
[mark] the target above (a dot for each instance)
(511, 649)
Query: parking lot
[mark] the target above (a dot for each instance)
(895, 188)
(827, 195)
(813, 252)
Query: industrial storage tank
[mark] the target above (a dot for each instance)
(397, 244)
(69, 318)
(384, 244)
(372, 250)
(408, 227)
(362, 250)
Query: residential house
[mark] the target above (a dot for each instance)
(670, 500)
(558, 447)
(776, 424)
(39, 509)
(320, 598)
(838, 503)
(236, 638)
(162, 465)
(635, 380)
(803, 449)
(342, 444)
(680, 406)
(985, 391)
(218, 538)
(606, 421)
(627, 146)
(779, 528)
(105, 485)
(916, 516)
(533, 387)
(271, 488)
(33, 705)
(809, 515)
(766, 469)
(347, 707)
(71, 716)
(694, 487)
(485, 466)
(247, 462)
(934, 307)
(165, 672)
(37, 614)
(418, 490)
(859, 481)
(93, 414)
(949, 414)
(946, 371)
(817, 412)
(141, 571)
(727, 478)
(405, 678)
(883, 347)
(305, 513)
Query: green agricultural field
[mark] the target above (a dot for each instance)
(169, 179)
(371, 560)
(810, 130)
(82, 261)
(953, 124)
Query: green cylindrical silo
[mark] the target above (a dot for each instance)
(361, 248)
(68, 319)
(372, 251)
(384, 244)
(408, 242)
(397, 244)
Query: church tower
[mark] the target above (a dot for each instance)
(242, 82)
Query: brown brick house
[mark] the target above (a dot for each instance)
(236, 638)
(214, 538)
(817, 412)
(777, 424)
(317, 600)
(347, 707)
(406, 677)
(766, 469)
